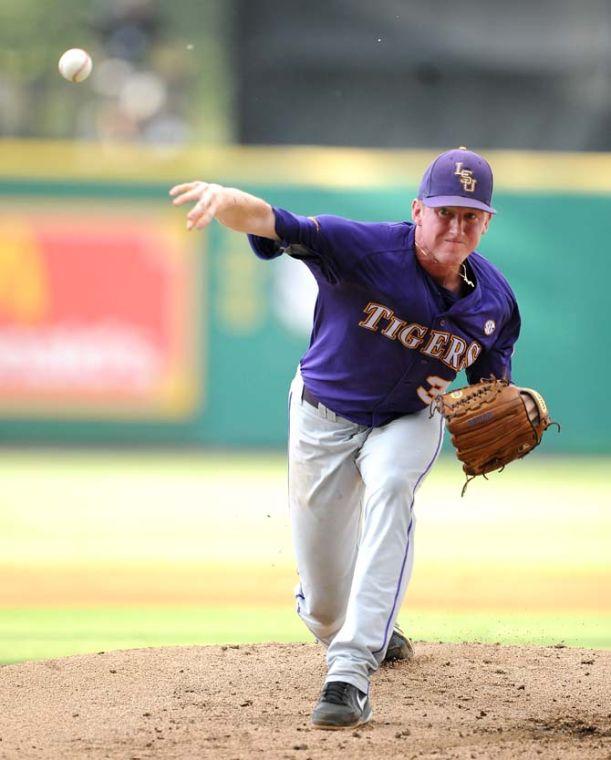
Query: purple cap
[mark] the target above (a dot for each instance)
(458, 178)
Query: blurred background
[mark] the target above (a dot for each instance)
(144, 370)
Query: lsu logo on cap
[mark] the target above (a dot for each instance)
(467, 180)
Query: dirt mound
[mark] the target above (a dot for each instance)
(453, 701)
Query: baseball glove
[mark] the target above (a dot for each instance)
(491, 425)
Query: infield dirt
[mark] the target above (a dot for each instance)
(249, 701)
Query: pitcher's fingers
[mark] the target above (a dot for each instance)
(200, 208)
(205, 198)
(189, 195)
(208, 215)
(184, 186)
(204, 212)
(202, 220)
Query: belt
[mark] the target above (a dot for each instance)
(309, 397)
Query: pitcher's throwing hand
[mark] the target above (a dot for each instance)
(234, 208)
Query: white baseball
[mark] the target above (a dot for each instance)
(75, 65)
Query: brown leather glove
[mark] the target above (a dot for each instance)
(491, 425)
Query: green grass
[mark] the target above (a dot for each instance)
(74, 525)
(30, 634)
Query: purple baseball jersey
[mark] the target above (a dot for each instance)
(386, 338)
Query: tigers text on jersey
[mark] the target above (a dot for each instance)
(386, 338)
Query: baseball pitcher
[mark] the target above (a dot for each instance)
(402, 307)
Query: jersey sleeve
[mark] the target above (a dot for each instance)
(265, 248)
(496, 361)
(330, 246)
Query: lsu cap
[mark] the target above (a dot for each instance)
(458, 177)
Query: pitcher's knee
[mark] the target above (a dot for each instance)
(397, 485)
(326, 633)
(324, 619)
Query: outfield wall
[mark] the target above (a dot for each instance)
(117, 326)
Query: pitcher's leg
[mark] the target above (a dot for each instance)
(393, 462)
(325, 491)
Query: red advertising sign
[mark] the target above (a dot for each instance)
(96, 314)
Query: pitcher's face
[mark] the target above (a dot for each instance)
(450, 233)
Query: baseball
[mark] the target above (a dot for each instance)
(75, 65)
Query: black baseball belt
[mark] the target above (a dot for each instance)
(309, 397)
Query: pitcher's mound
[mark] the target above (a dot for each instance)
(453, 701)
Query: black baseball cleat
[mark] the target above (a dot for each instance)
(341, 705)
(399, 647)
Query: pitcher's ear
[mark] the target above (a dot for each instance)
(416, 212)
